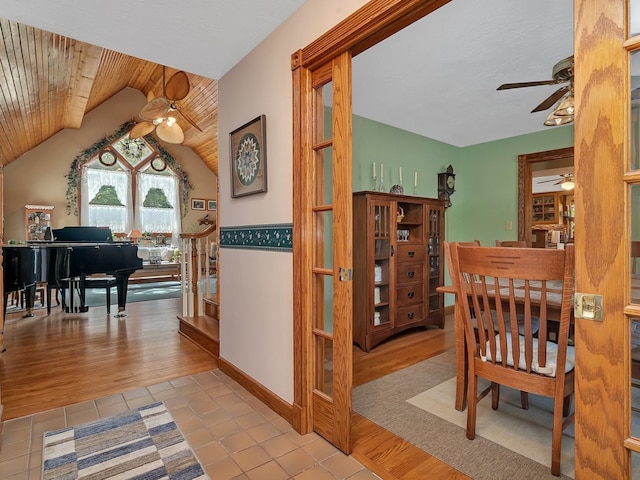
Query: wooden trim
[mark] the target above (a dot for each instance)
(369, 25)
(302, 251)
(266, 396)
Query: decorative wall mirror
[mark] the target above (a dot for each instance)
(525, 179)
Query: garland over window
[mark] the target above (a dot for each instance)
(73, 177)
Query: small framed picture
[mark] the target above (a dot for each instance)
(197, 204)
(248, 145)
(212, 205)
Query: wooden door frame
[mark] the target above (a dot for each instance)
(366, 27)
(525, 180)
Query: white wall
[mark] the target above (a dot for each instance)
(256, 327)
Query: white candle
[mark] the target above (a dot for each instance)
(400, 175)
(415, 179)
(374, 170)
(381, 171)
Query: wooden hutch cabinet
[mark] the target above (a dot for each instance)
(545, 208)
(397, 265)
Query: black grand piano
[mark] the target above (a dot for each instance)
(65, 261)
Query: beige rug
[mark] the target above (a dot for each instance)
(384, 401)
(527, 432)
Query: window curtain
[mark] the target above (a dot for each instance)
(155, 219)
(116, 217)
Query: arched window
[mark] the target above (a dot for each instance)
(127, 184)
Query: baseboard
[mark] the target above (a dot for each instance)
(266, 396)
(448, 310)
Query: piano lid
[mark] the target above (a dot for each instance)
(82, 234)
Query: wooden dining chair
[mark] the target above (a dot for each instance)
(500, 284)
(461, 357)
(511, 243)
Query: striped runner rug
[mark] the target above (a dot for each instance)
(144, 443)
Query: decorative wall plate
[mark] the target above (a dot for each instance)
(158, 164)
(107, 158)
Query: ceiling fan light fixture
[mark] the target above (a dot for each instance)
(170, 121)
(566, 108)
(568, 185)
(554, 120)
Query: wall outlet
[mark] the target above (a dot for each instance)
(508, 225)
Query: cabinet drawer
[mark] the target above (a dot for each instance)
(411, 253)
(409, 273)
(409, 314)
(409, 294)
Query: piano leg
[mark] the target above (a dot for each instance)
(30, 299)
(122, 284)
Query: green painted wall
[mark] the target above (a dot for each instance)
(486, 194)
(487, 184)
(395, 148)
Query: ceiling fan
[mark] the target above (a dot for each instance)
(566, 181)
(562, 73)
(158, 113)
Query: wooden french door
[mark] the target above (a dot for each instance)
(607, 210)
(324, 197)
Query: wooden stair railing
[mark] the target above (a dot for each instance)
(196, 270)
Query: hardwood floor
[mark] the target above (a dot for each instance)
(56, 360)
(61, 359)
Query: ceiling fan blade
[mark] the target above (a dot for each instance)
(155, 109)
(547, 181)
(507, 86)
(141, 129)
(170, 133)
(177, 87)
(188, 119)
(551, 99)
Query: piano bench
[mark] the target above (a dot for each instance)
(101, 282)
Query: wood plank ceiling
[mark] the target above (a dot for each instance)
(49, 82)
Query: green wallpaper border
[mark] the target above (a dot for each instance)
(271, 237)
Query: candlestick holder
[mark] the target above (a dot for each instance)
(415, 190)
(381, 185)
(374, 184)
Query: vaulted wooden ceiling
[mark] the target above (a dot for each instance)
(49, 82)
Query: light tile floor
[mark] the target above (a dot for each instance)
(233, 434)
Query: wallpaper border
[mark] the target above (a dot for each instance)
(272, 237)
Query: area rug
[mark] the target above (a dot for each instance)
(144, 443)
(527, 432)
(387, 402)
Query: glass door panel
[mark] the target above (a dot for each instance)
(331, 270)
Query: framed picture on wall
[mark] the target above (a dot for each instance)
(212, 205)
(197, 204)
(249, 158)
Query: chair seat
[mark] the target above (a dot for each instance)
(552, 356)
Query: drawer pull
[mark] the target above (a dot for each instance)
(411, 254)
(410, 294)
(410, 315)
(410, 274)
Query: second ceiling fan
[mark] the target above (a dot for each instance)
(158, 113)
(562, 73)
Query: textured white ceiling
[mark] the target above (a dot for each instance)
(437, 78)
